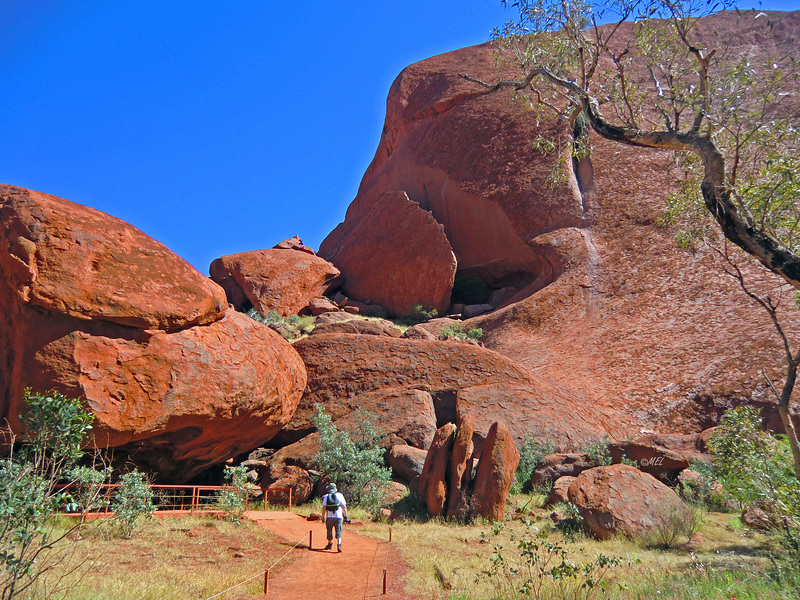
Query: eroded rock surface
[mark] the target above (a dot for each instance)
(606, 304)
(343, 367)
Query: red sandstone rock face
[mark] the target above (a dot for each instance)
(613, 310)
(73, 260)
(623, 499)
(295, 478)
(540, 410)
(93, 308)
(496, 468)
(403, 416)
(396, 256)
(284, 280)
(179, 401)
(342, 367)
(358, 326)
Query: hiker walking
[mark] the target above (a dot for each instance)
(335, 509)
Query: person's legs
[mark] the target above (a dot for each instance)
(329, 526)
(338, 534)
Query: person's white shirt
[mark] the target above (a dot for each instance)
(333, 514)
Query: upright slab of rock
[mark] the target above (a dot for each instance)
(446, 484)
(284, 279)
(92, 307)
(396, 256)
(433, 480)
(496, 468)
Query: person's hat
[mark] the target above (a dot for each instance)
(331, 487)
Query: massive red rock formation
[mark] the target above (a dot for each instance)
(396, 256)
(607, 305)
(92, 307)
(285, 278)
(342, 368)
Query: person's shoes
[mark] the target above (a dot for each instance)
(338, 548)
(328, 547)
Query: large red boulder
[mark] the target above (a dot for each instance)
(396, 255)
(93, 308)
(623, 499)
(280, 279)
(181, 401)
(65, 258)
(407, 461)
(496, 468)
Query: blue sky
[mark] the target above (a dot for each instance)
(214, 127)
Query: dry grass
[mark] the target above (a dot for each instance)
(187, 557)
(447, 560)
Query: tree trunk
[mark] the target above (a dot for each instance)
(783, 411)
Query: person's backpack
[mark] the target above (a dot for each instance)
(332, 503)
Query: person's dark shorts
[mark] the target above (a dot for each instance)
(331, 524)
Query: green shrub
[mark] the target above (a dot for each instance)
(355, 465)
(132, 500)
(233, 497)
(754, 466)
(454, 331)
(537, 568)
(56, 428)
(425, 315)
(675, 525)
(530, 455)
(599, 454)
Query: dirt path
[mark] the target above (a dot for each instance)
(354, 574)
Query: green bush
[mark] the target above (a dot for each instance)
(355, 465)
(599, 454)
(233, 498)
(56, 428)
(530, 455)
(132, 500)
(537, 568)
(753, 466)
(454, 331)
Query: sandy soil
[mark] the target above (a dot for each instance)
(356, 573)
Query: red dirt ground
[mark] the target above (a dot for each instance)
(354, 574)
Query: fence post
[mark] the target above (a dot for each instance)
(384, 581)
(266, 582)
(310, 533)
(390, 534)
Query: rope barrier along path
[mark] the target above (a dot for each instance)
(265, 572)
